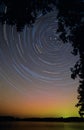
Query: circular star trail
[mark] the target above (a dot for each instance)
(36, 54)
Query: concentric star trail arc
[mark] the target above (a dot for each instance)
(37, 53)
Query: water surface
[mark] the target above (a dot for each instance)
(41, 126)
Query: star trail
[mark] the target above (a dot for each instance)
(36, 61)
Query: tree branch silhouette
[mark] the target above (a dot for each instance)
(23, 12)
(71, 15)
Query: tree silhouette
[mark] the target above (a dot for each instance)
(23, 12)
(70, 15)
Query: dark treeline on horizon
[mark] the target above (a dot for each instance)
(45, 119)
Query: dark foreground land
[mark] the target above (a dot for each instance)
(61, 119)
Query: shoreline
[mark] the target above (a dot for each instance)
(36, 119)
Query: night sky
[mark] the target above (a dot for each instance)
(35, 76)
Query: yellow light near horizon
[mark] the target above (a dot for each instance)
(41, 107)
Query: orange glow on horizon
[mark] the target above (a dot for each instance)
(40, 107)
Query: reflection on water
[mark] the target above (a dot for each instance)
(41, 126)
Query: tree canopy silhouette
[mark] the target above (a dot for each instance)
(70, 16)
(23, 12)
